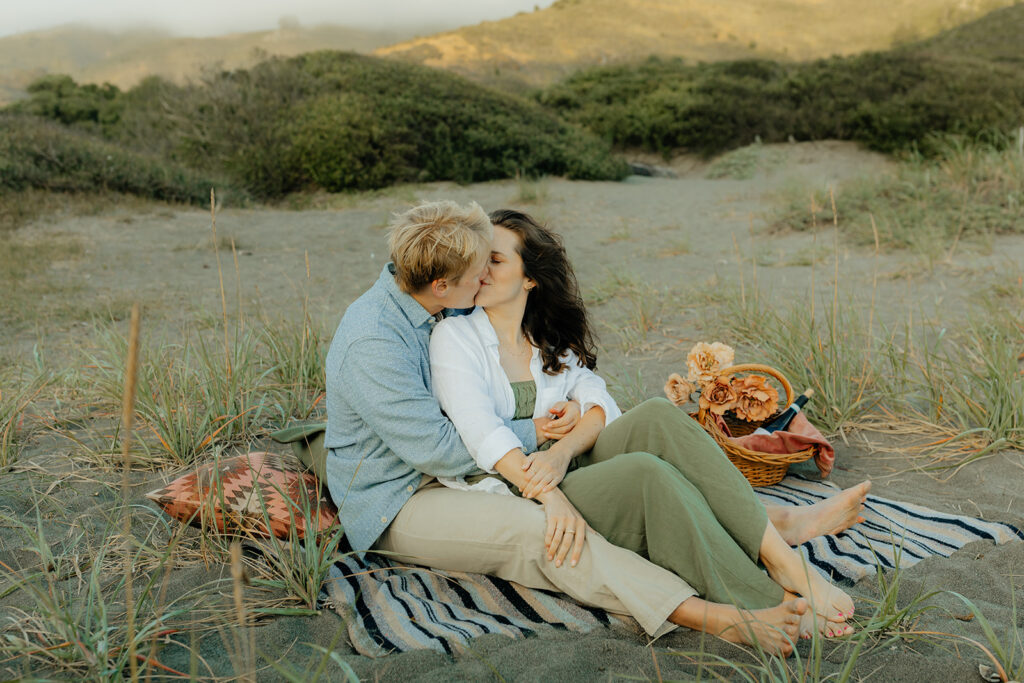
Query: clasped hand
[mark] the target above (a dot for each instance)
(545, 469)
(566, 415)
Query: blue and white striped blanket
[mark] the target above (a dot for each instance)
(394, 609)
(892, 533)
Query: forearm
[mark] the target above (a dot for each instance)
(511, 468)
(584, 435)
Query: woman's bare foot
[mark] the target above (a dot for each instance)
(774, 629)
(800, 523)
(825, 599)
(811, 623)
(788, 569)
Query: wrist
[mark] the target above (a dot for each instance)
(564, 450)
(549, 496)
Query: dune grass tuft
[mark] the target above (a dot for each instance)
(928, 205)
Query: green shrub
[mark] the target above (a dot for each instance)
(39, 154)
(341, 121)
(58, 97)
(890, 101)
(330, 120)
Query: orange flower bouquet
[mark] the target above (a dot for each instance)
(749, 398)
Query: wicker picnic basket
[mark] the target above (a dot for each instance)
(760, 469)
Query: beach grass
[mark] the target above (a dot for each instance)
(15, 399)
(76, 621)
(971, 189)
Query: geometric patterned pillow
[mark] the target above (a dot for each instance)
(245, 492)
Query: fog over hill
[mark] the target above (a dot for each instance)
(125, 57)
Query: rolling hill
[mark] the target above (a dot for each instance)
(545, 45)
(124, 58)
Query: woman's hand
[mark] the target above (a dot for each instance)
(566, 416)
(566, 530)
(545, 470)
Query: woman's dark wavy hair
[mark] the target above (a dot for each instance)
(556, 319)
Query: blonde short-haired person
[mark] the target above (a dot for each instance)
(388, 441)
(651, 481)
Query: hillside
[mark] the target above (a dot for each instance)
(996, 37)
(545, 45)
(124, 58)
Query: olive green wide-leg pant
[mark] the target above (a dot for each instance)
(657, 484)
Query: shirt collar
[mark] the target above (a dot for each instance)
(413, 309)
(483, 326)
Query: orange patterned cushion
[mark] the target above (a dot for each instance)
(233, 493)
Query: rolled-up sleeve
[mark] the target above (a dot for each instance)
(459, 380)
(590, 390)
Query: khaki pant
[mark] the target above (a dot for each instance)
(503, 536)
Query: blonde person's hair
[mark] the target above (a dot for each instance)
(437, 240)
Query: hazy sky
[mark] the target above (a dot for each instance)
(211, 17)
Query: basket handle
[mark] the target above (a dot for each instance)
(764, 369)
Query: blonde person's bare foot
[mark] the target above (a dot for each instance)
(800, 523)
(774, 629)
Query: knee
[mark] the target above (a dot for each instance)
(658, 407)
(643, 469)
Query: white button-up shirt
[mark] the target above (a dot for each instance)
(475, 393)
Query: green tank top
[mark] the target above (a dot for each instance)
(525, 394)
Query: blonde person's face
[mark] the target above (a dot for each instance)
(505, 281)
(461, 293)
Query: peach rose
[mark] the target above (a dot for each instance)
(706, 360)
(756, 400)
(678, 390)
(718, 395)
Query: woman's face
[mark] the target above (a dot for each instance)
(505, 281)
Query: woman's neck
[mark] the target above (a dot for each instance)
(507, 321)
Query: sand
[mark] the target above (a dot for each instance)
(671, 242)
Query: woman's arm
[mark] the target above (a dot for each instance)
(458, 370)
(589, 389)
(545, 470)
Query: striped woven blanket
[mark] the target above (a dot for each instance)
(393, 609)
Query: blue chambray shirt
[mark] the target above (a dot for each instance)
(385, 429)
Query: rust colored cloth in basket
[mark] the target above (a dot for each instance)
(799, 435)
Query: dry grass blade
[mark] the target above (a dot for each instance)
(127, 415)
